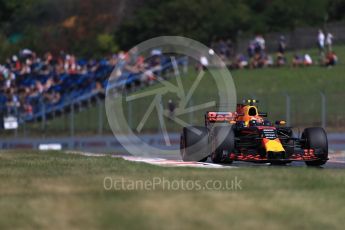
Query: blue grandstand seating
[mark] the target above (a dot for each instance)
(76, 88)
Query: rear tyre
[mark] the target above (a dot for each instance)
(194, 144)
(316, 138)
(223, 141)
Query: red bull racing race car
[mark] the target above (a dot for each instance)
(246, 135)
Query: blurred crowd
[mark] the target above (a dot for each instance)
(258, 57)
(27, 80)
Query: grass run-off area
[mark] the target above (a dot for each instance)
(54, 190)
(270, 85)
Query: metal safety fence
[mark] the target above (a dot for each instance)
(298, 110)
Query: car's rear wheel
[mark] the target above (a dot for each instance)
(316, 138)
(223, 143)
(194, 144)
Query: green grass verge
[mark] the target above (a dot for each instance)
(53, 190)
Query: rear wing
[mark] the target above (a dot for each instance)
(220, 117)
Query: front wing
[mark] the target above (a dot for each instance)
(303, 155)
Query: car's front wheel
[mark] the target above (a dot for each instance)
(194, 144)
(316, 138)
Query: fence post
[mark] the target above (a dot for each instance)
(24, 128)
(162, 122)
(71, 125)
(323, 110)
(100, 116)
(185, 65)
(191, 114)
(43, 124)
(16, 114)
(288, 109)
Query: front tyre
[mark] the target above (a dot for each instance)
(194, 144)
(316, 138)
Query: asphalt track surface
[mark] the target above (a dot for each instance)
(336, 161)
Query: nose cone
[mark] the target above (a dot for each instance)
(273, 145)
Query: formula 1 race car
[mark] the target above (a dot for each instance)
(245, 135)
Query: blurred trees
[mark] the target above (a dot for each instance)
(336, 10)
(197, 19)
(204, 19)
(80, 26)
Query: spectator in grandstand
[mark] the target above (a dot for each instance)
(203, 63)
(12, 103)
(251, 49)
(154, 63)
(307, 60)
(134, 62)
(151, 68)
(331, 59)
(259, 44)
(241, 62)
(70, 64)
(28, 110)
(261, 60)
(8, 78)
(281, 60)
(268, 61)
(131, 60)
(297, 60)
(230, 48)
(113, 60)
(15, 64)
(26, 67)
(321, 41)
(254, 61)
(223, 49)
(39, 87)
(55, 97)
(329, 41)
(26, 53)
(171, 108)
(98, 87)
(281, 45)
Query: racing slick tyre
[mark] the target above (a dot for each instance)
(194, 144)
(223, 140)
(316, 138)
